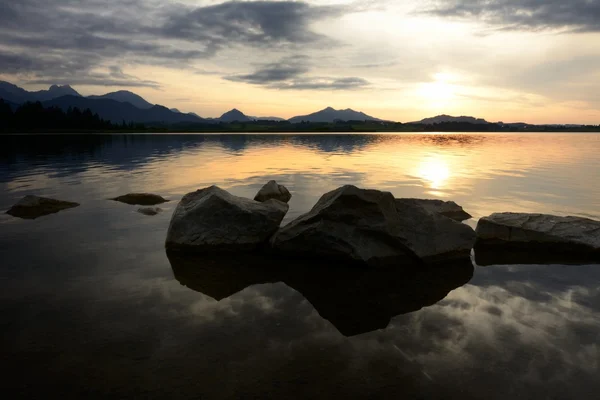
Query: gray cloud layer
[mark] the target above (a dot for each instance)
(291, 74)
(68, 40)
(572, 15)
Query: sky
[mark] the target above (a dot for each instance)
(503, 60)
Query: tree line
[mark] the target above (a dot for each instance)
(34, 117)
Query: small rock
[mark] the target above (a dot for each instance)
(536, 238)
(213, 220)
(32, 207)
(446, 208)
(272, 190)
(149, 210)
(141, 199)
(360, 225)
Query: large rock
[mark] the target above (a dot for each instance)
(366, 226)
(446, 208)
(273, 191)
(507, 238)
(32, 207)
(212, 219)
(141, 199)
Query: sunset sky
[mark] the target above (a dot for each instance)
(503, 60)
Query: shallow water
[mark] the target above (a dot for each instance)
(93, 307)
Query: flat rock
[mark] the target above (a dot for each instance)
(150, 211)
(446, 208)
(272, 190)
(537, 238)
(212, 219)
(32, 207)
(366, 226)
(141, 199)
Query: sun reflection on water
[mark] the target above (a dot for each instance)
(435, 171)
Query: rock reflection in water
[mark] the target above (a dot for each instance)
(534, 253)
(355, 300)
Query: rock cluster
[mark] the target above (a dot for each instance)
(348, 224)
(367, 226)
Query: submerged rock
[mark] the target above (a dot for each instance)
(32, 207)
(272, 190)
(506, 238)
(141, 199)
(212, 219)
(446, 208)
(150, 210)
(366, 226)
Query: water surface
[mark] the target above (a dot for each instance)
(92, 306)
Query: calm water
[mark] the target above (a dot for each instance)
(91, 305)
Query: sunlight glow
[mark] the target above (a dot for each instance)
(439, 92)
(435, 171)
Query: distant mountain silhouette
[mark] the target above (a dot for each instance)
(125, 96)
(175, 110)
(268, 119)
(116, 111)
(331, 115)
(448, 118)
(234, 115)
(17, 95)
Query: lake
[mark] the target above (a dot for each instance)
(93, 307)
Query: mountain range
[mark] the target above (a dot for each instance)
(17, 95)
(448, 118)
(116, 111)
(124, 96)
(126, 106)
(331, 115)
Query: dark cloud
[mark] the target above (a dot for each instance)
(275, 72)
(69, 39)
(259, 23)
(573, 15)
(291, 74)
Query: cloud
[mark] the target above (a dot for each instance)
(69, 39)
(573, 15)
(274, 72)
(258, 23)
(349, 83)
(291, 74)
(113, 76)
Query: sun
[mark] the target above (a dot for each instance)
(439, 92)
